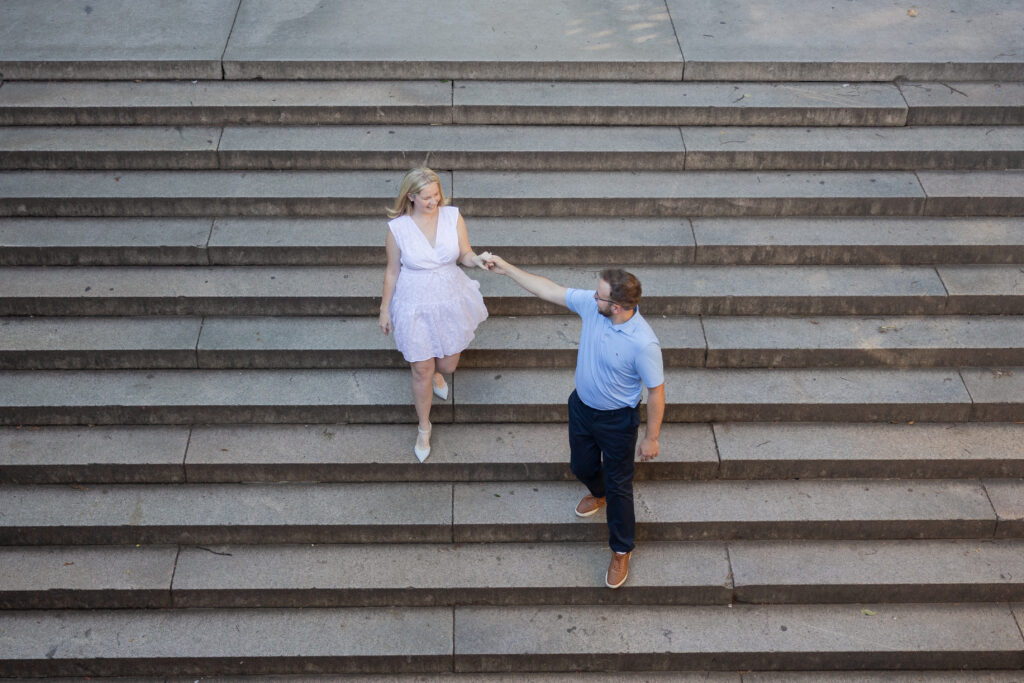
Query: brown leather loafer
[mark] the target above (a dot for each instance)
(589, 506)
(618, 570)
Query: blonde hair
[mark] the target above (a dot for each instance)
(414, 181)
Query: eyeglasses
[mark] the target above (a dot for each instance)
(609, 301)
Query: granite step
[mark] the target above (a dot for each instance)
(499, 452)
(478, 639)
(429, 575)
(506, 512)
(111, 343)
(510, 148)
(668, 290)
(504, 395)
(547, 103)
(525, 241)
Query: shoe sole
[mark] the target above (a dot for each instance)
(618, 584)
(588, 514)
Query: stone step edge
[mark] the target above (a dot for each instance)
(700, 589)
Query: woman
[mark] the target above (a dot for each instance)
(431, 305)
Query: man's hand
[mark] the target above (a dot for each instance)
(496, 264)
(648, 449)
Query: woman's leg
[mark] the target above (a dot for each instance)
(447, 364)
(422, 396)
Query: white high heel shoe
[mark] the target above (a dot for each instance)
(422, 453)
(441, 391)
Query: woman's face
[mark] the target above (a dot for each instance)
(428, 198)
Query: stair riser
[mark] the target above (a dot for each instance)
(515, 161)
(516, 306)
(489, 358)
(223, 116)
(498, 533)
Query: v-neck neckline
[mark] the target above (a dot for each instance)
(437, 225)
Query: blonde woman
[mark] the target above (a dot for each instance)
(430, 304)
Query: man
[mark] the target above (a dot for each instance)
(618, 353)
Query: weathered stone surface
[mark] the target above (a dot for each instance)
(208, 396)
(964, 103)
(697, 193)
(360, 39)
(54, 455)
(312, 290)
(103, 241)
(196, 193)
(298, 241)
(997, 393)
(850, 149)
(411, 575)
(883, 677)
(878, 571)
(205, 642)
(220, 103)
(852, 342)
(740, 637)
(69, 578)
(679, 104)
(487, 148)
(91, 343)
(1007, 496)
(977, 290)
(868, 241)
(464, 452)
(115, 39)
(978, 193)
(226, 513)
(850, 509)
(32, 148)
(750, 451)
(865, 41)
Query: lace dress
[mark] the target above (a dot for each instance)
(436, 307)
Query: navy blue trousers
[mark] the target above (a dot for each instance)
(612, 433)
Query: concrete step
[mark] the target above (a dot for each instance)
(475, 639)
(504, 194)
(54, 397)
(668, 290)
(110, 343)
(427, 575)
(392, 102)
(506, 512)
(510, 148)
(525, 241)
(497, 452)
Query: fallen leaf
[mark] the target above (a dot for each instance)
(868, 612)
(911, 12)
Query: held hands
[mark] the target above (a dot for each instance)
(495, 264)
(648, 449)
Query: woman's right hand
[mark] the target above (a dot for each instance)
(384, 320)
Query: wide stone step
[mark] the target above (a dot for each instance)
(40, 397)
(668, 290)
(426, 575)
(504, 194)
(549, 638)
(510, 148)
(392, 102)
(497, 452)
(524, 241)
(109, 343)
(485, 512)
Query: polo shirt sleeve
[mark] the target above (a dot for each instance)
(577, 300)
(650, 366)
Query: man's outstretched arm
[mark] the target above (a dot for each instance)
(538, 285)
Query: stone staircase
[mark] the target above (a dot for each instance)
(205, 451)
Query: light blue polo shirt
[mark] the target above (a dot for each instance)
(613, 361)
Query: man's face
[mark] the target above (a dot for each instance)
(604, 293)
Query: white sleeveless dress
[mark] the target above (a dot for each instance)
(436, 307)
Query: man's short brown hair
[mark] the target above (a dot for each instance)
(625, 288)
